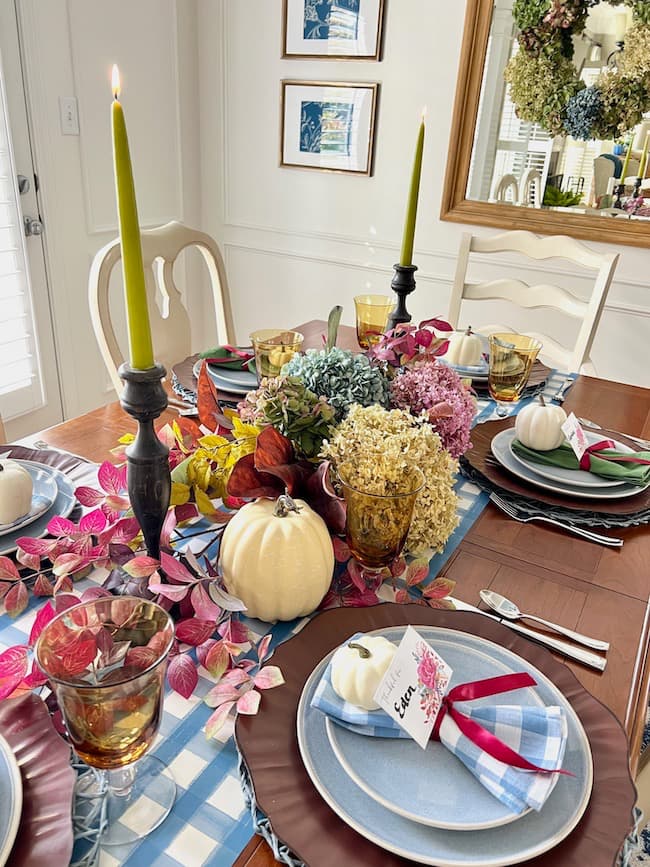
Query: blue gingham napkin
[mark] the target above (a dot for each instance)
(539, 734)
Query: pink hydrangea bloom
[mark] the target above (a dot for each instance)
(437, 390)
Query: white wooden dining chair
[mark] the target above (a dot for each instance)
(530, 188)
(170, 324)
(541, 295)
(506, 189)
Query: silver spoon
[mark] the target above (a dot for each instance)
(509, 610)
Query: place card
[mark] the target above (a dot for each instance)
(575, 435)
(412, 690)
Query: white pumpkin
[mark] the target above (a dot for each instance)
(277, 557)
(539, 426)
(358, 667)
(465, 349)
(16, 489)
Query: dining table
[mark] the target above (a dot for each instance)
(587, 587)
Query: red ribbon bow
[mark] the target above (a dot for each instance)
(595, 448)
(484, 739)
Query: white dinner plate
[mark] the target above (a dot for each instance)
(63, 504)
(500, 446)
(43, 495)
(577, 478)
(518, 841)
(11, 802)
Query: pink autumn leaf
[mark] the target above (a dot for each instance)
(141, 657)
(111, 478)
(182, 675)
(8, 570)
(65, 564)
(88, 496)
(35, 678)
(417, 571)
(94, 593)
(217, 660)
(439, 324)
(225, 600)
(341, 550)
(42, 587)
(43, 617)
(62, 585)
(174, 592)
(235, 677)
(263, 647)
(175, 570)
(31, 561)
(268, 677)
(203, 604)
(194, 631)
(439, 588)
(424, 337)
(121, 532)
(217, 721)
(94, 522)
(249, 702)
(16, 599)
(246, 664)
(5, 587)
(398, 566)
(61, 527)
(445, 604)
(141, 567)
(13, 668)
(402, 597)
(39, 547)
(203, 649)
(233, 649)
(222, 692)
(354, 571)
(361, 600)
(78, 657)
(64, 601)
(235, 631)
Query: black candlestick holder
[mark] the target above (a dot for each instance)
(148, 476)
(620, 191)
(403, 283)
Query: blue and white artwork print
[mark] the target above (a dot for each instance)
(331, 19)
(326, 127)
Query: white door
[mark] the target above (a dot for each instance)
(30, 396)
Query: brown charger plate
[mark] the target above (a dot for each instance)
(482, 436)
(304, 822)
(45, 836)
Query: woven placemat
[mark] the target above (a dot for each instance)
(477, 465)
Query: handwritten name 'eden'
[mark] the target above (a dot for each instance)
(401, 706)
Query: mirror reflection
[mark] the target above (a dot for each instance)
(525, 162)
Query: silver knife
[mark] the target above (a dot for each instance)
(560, 394)
(563, 647)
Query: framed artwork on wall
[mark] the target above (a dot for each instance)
(342, 29)
(328, 125)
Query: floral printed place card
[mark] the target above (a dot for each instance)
(412, 690)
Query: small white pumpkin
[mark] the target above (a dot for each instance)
(358, 667)
(277, 557)
(465, 349)
(16, 489)
(539, 426)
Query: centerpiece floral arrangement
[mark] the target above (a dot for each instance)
(372, 417)
(545, 85)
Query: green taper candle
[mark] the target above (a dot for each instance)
(406, 254)
(140, 346)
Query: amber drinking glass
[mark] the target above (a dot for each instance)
(377, 525)
(106, 662)
(372, 317)
(273, 348)
(511, 359)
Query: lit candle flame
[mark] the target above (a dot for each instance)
(115, 79)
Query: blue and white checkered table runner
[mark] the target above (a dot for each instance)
(210, 823)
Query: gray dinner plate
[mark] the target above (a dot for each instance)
(63, 504)
(501, 450)
(11, 802)
(533, 833)
(234, 381)
(43, 495)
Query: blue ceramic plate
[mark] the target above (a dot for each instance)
(501, 450)
(11, 802)
(63, 504)
(44, 494)
(234, 381)
(518, 841)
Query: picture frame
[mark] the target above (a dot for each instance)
(338, 29)
(328, 125)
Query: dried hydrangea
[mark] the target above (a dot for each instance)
(634, 62)
(540, 88)
(373, 449)
(529, 13)
(582, 113)
(438, 391)
(289, 406)
(624, 101)
(340, 376)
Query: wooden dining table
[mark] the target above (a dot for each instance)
(596, 590)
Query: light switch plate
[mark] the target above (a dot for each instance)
(69, 115)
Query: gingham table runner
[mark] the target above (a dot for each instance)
(211, 822)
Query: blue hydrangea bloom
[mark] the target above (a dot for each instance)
(582, 112)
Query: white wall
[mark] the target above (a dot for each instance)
(296, 242)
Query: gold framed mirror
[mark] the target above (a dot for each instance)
(462, 205)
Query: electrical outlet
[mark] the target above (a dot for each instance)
(69, 115)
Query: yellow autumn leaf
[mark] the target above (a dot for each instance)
(213, 441)
(180, 494)
(126, 439)
(203, 502)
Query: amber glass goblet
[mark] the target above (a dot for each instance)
(372, 317)
(106, 662)
(376, 525)
(511, 359)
